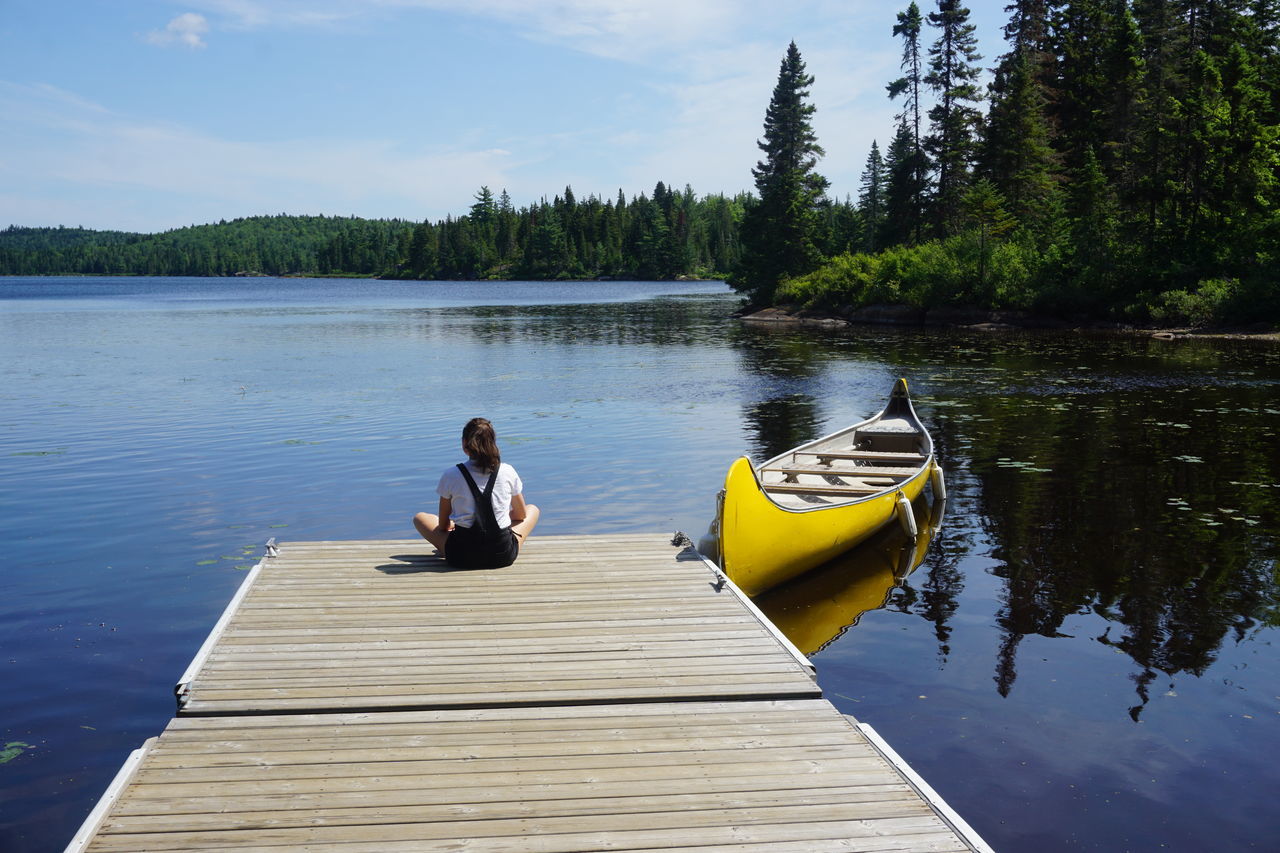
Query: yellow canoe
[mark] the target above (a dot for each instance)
(817, 607)
(802, 508)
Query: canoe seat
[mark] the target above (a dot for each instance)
(889, 435)
(891, 425)
(790, 471)
(824, 489)
(908, 458)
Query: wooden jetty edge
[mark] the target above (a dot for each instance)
(604, 693)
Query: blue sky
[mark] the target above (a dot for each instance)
(145, 115)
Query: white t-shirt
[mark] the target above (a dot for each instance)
(454, 487)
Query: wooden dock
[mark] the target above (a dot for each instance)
(604, 693)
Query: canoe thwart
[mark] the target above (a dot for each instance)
(825, 471)
(906, 458)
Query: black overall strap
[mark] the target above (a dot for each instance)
(488, 522)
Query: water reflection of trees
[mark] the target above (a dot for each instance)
(782, 370)
(1136, 509)
(660, 322)
(934, 592)
(780, 423)
(936, 597)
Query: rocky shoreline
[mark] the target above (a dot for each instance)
(977, 319)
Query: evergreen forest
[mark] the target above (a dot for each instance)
(667, 235)
(1123, 163)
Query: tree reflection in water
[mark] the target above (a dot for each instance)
(1143, 511)
(781, 423)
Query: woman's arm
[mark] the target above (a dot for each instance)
(518, 512)
(446, 508)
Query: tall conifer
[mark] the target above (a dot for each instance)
(1016, 152)
(871, 199)
(954, 120)
(909, 25)
(779, 231)
(903, 187)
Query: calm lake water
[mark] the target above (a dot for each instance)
(1084, 660)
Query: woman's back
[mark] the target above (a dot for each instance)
(454, 486)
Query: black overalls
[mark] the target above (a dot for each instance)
(485, 545)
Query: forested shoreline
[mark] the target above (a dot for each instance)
(665, 235)
(1126, 167)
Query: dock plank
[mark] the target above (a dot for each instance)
(333, 626)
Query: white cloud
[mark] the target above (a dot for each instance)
(78, 157)
(187, 29)
(623, 30)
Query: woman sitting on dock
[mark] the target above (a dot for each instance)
(479, 528)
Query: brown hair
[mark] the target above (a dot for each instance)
(481, 444)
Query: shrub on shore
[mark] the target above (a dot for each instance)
(1017, 274)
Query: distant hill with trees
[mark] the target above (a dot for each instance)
(665, 235)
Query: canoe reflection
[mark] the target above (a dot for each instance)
(817, 607)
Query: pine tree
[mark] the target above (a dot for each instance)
(871, 201)
(547, 251)
(1262, 41)
(903, 187)
(1094, 216)
(505, 233)
(779, 231)
(1016, 151)
(1250, 156)
(1157, 141)
(481, 251)
(1125, 70)
(908, 27)
(653, 243)
(985, 212)
(1095, 39)
(954, 120)
(1028, 31)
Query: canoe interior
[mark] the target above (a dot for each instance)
(870, 458)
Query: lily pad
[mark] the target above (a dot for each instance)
(12, 750)
(1025, 467)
